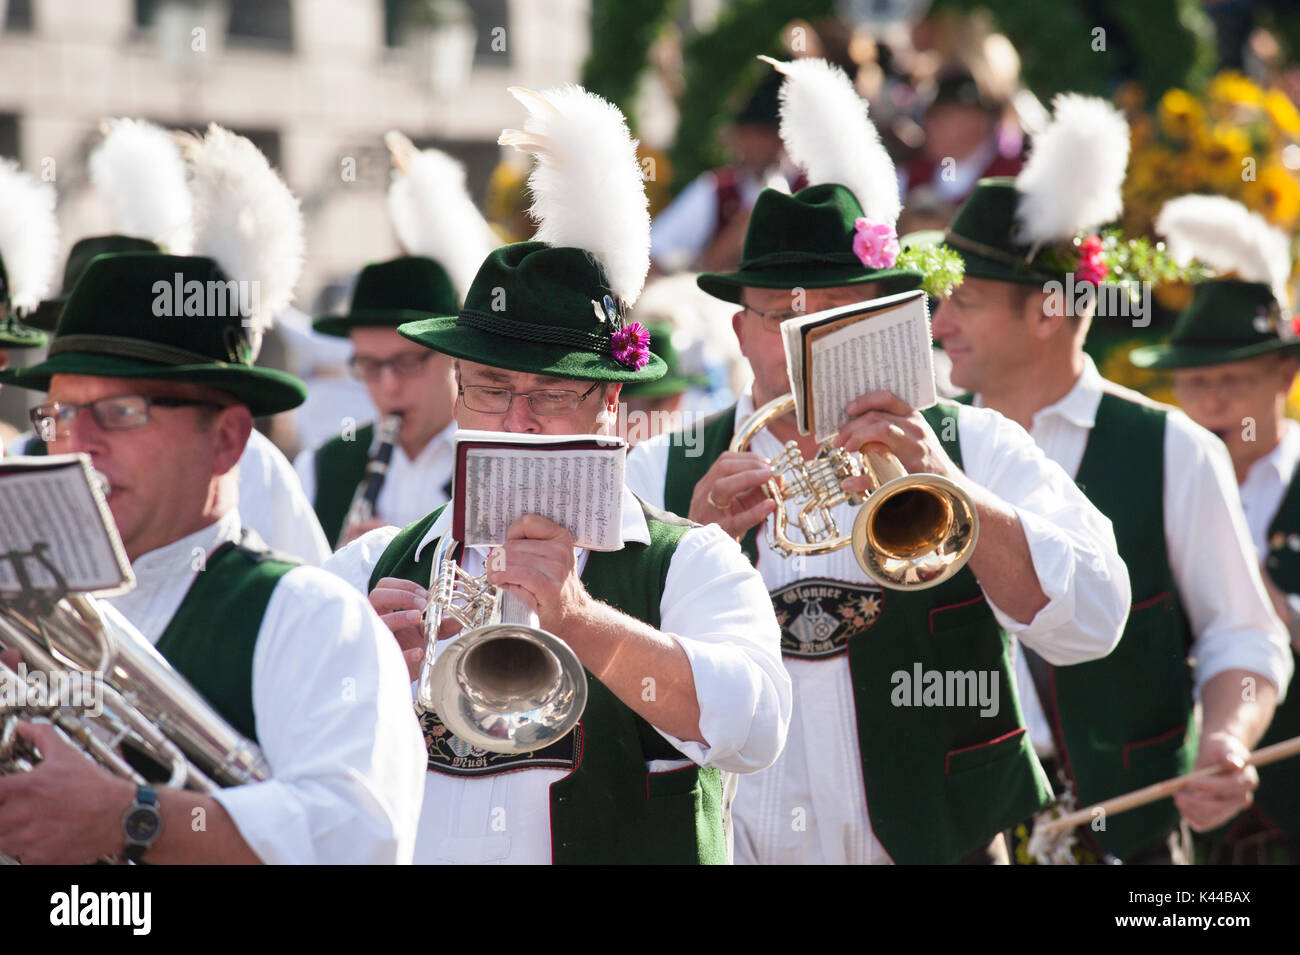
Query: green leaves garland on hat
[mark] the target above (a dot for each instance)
(1044, 224)
(172, 318)
(840, 229)
(1242, 310)
(558, 305)
(444, 236)
(29, 244)
(138, 170)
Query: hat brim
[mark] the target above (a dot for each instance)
(264, 390)
(728, 286)
(443, 334)
(339, 325)
(1165, 357)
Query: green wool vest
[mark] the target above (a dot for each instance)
(1127, 718)
(1277, 801)
(211, 637)
(609, 809)
(941, 780)
(340, 466)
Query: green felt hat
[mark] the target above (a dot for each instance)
(804, 240)
(672, 383)
(391, 293)
(1227, 320)
(162, 318)
(46, 315)
(534, 308)
(13, 332)
(982, 233)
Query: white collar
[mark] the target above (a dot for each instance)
(1284, 458)
(1078, 406)
(441, 443)
(634, 528)
(163, 562)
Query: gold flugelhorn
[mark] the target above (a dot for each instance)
(504, 685)
(913, 530)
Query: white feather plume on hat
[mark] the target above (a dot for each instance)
(1072, 181)
(29, 235)
(1229, 238)
(433, 213)
(139, 171)
(588, 192)
(827, 132)
(245, 218)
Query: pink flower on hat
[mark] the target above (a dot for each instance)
(875, 244)
(631, 346)
(1091, 268)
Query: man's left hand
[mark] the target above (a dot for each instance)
(887, 423)
(65, 811)
(1209, 803)
(538, 559)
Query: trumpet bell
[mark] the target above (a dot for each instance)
(508, 688)
(915, 532)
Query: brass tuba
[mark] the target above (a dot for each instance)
(913, 530)
(145, 702)
(504, 685)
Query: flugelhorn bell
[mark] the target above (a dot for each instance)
(504, 685)
(913, 531)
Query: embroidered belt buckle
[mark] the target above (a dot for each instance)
(818, 615)
(452, 755)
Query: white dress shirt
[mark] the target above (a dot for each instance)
(1266, 483)
(717, 610)
(329, 697)
(411, 489)
(272, 502)
(820, 771)
(1218, 579)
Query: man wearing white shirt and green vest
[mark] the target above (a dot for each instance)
(872, 772)
(1233, 357)
(542, 347)
(1199, 628)
(288, 655)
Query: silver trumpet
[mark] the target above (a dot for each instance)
(504, 685)
(145, 702)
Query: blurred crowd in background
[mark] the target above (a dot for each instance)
(956, 89)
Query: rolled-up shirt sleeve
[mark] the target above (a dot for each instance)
(1214, 562)
(1071, 543)
(716, 607)
(334, 720)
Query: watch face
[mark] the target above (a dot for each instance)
(142, 824)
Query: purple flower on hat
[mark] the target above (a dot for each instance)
(631, 346)
(875, 244)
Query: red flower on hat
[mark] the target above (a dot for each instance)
(1295, 326)
(875, 244)
(630, 346)
(1090, 267)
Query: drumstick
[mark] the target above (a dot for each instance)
(1148, 794)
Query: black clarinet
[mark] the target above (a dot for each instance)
(372, 482)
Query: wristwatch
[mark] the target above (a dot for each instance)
(142, 823)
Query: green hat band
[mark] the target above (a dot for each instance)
(128, 348)
(802, 258)
(531, 331)
(997, 255)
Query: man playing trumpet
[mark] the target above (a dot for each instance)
(876, 770)
(684, 679)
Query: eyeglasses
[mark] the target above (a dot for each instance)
(1228, 387)
(403, 366)
(546, 402)
(772, 319)
(119, 413)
